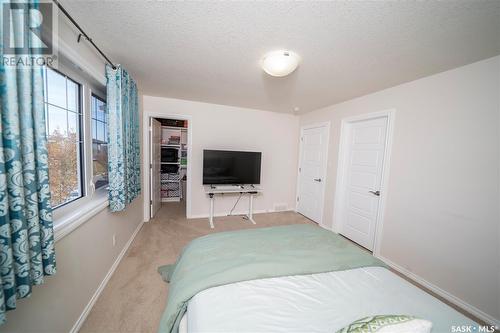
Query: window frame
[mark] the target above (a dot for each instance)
(82, 174)
(70, 215)
(103, 100)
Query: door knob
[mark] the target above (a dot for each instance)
(377, 193)
(317, 180)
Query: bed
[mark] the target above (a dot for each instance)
(271, 280)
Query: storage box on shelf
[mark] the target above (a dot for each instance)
(170, 177)
(170, 160)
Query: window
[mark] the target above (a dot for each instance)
(99, 142)
(75, 110)
(63, 116)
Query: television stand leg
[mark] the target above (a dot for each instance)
(250, 209)
(211, 216)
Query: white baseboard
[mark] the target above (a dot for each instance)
(202, 216)
(239, 213)
(443, 293)
(88, 307)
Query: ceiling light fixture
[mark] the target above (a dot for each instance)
(280, 63)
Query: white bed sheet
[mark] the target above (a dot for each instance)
(323, 302)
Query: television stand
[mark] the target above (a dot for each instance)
(251, 190)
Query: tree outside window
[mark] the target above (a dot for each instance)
(65, 146)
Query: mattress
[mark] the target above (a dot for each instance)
(322, 302)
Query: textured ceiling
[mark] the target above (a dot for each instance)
(210, 51)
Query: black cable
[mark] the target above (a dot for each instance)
(231, 212)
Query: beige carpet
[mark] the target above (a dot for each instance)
(135, 296)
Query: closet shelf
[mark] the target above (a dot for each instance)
(174, 163)
(173, 127)
(170, 199)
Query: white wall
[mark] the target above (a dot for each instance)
(442, 215)
(83, 257)
(224, 127)
(83, 54)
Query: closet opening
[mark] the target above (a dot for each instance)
(169, 144)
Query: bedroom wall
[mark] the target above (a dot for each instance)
(84, 256)
(224, 127)
(442, 213)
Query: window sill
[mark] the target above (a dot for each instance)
(65, 225)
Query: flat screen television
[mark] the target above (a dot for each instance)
(231, 167)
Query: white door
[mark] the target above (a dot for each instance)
(312, 171)
(155, 165)
(363, 166)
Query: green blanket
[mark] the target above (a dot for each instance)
(235, 256)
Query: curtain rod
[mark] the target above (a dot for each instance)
(82, 33)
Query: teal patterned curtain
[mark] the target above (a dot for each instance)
(123, 139)
(26, 233)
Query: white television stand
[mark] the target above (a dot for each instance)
(212, 190)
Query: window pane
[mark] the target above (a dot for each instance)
(63, 138)
(100, 164)
(72, 96)
(103, 108)
(100, 131)
(64, 162)
(94, 108)
(73, 122)
(99, 144)
(100, 112)
(94, 129)
(58, 123)
(56, 88)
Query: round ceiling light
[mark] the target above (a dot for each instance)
(280, 63)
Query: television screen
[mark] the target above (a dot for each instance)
(231, 167)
